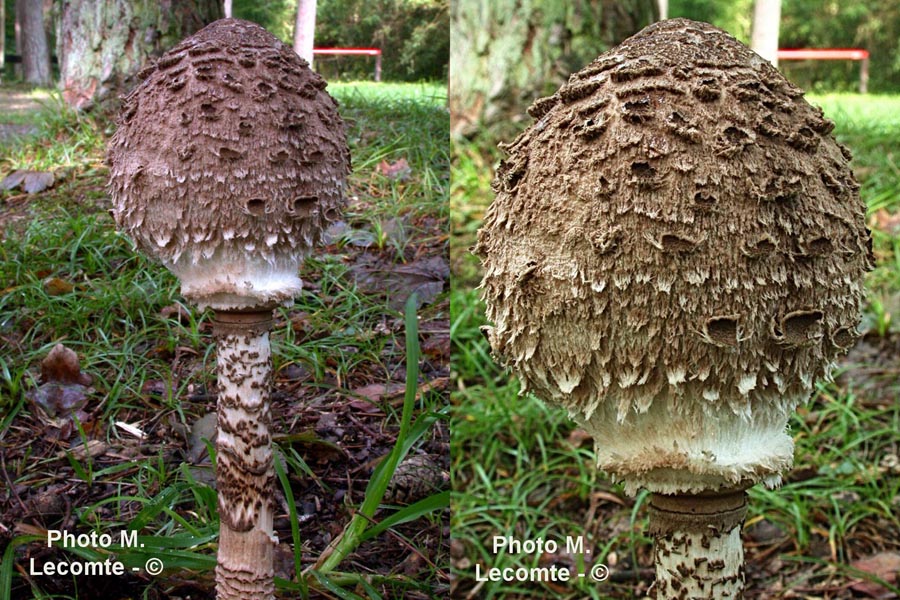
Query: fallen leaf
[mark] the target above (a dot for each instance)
(57, 402)
(62, 366)
(49, 501)
(335, 232)
(394, 231)
(94, 448)
(413, 564)
(341, 232)
(204, 428)
(31, 182)
(885, 221)
(765, 532)
(54, 286)
(63, 391)
(176, 312)
(293, 372)
(398, 170)
(364, 406)
(437, 346)
(13, 180)
(376, 391)
(885, 566)
(36, 181)
(579, 437)
(607, 497)
(425, 278)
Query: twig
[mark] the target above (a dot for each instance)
(9, 483)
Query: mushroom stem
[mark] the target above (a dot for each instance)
(245, 474)
(698, 544)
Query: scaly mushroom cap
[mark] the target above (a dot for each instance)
(675, 254)
(229, 161)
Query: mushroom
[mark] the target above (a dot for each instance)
(675, 254)
(228, 163)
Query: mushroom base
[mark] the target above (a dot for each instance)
(233, 281)
(673, 449)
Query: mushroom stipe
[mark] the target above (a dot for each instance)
(245, 473)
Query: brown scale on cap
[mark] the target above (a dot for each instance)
(228, 163)
(677, 246)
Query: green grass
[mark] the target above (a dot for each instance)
(518, 470)
(147, 364)
(64, 139)
(19, 102)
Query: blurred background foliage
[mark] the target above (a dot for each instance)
(413, 35)
(872, 25)
(508, 53)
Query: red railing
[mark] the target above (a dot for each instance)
(376, 52)
(833, 54)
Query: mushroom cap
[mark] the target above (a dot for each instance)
(675, 254)
(229, 161)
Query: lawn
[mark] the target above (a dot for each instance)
(521, 469)
(125, 448)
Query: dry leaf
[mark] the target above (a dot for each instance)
(57, 402)
(885, 566)
(399, 170)
(204, 427)
(54, 286)
(425, 278)
(62, 366)
(579, 437)
(176, 312)
(885, 221)
(437, 346)
(13, 180)
(37, 181)
(94, 448)
(31, 182)
(376, 391)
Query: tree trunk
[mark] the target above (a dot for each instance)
(2, 38)
(766, 23)
(102, 44)
(304, 29)
(507, 53)
(35, 51)
(227, 9)
(17, 16)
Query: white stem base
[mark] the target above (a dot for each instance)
(245, 475)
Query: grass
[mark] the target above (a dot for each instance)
(64, 138)
(520, 467)
(18, 105)
(67, 277)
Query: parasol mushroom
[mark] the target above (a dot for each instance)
(675, 255)
(228, 163)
